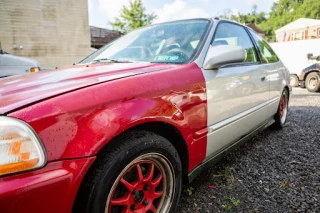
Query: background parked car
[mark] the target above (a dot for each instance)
(16, 65)
(310, 76)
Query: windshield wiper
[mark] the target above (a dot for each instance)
(110, 60)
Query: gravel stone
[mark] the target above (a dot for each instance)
(276, 171)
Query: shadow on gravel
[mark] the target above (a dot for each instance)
(304, 96)
(276, 171)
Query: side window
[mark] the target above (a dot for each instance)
(266, 52)
(232, 34)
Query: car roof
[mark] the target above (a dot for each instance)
(212, 19)
(230, 21)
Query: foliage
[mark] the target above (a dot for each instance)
(226, 207)
(252, 17)
(132, 18)
(228, 176)
(282, 13)
(285, 11)
(188, 191)
(234, 201)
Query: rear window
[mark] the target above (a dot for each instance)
(266, 52)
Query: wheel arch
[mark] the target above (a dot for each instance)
(166, 130)
(288, 90)
(309, 72)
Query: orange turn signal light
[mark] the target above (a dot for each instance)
(34, 69)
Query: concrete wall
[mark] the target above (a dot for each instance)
(53, 32)
(294, 54)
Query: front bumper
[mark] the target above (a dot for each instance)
(50, 189)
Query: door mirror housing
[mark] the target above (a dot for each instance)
(221, 55)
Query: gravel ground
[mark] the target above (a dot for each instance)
(276, 171)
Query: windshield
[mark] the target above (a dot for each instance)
(174, 42)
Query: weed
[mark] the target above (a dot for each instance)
(226, 207)
(234, 201)
(227, 175)
(188, 191)
(284, 184)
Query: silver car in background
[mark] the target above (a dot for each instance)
(16, 65)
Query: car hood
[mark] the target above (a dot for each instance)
(18, 91)
(312, 67)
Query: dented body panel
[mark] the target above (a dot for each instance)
(80, 123)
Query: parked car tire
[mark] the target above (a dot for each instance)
(282, 113)
(313, 82)
(294, 80)
(142, 171)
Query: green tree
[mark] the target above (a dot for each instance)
(282, 13)
(254, 17)
(309, 9)
(285, 11)
(132, 17)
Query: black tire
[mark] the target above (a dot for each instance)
(313, 82)
(280, 119)
(115, 162)
(294, 80)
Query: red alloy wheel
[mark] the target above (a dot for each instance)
(283, 106)
(141, 188)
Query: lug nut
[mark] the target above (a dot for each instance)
(145, 203)
(146, 188)
(133, 207)
(134, 192)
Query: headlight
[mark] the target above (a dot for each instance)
(34, 69)
(20, 148)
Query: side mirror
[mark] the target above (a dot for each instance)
(221, 55)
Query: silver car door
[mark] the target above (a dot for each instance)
(237, 95)
(275, 72)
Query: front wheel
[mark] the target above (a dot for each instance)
(313, 82)
(141, 173)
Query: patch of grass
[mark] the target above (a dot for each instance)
(188, 191)
(234, 201)
(228, 176)
(226, 207)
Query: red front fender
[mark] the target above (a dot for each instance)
(79, 123)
